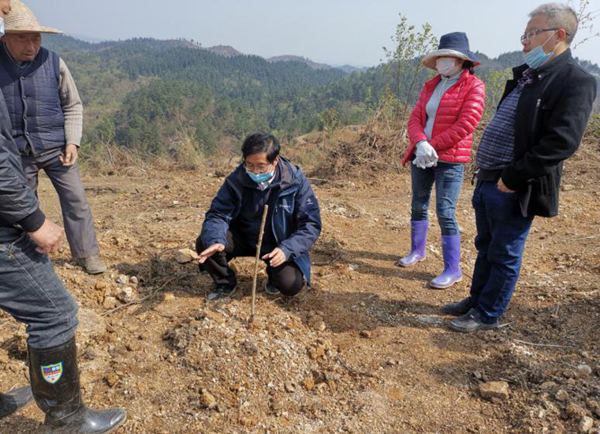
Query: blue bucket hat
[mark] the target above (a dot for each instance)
(451, 45)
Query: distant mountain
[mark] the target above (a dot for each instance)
(225, 50)
(147, 94)
(349, 69)
(299, 59)
(85, 38)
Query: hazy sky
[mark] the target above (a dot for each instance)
(329, 31)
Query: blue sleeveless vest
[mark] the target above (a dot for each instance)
(33, 101)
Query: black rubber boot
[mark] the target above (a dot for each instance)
(55, 384)
(13, 401)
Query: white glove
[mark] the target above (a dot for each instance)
(425, 156)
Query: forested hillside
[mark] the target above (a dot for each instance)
(144, 93)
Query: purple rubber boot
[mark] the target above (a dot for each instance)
(451, 273)
(418, 239)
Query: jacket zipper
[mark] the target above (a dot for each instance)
(276, 211)
(535, 114)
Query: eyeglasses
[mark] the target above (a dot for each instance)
(532, 33)
(259, 168)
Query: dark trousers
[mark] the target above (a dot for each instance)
(32, 293)
(287, 277)
(77, 215)
(500, 241)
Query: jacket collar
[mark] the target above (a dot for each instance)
(285, 175)
(548, 68)
(431, 84)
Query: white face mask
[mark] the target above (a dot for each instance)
(447, 66)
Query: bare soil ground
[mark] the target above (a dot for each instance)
(365, 350)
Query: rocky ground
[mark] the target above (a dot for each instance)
(365, 350)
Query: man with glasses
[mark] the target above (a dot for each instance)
(232, 224)
(538, 124)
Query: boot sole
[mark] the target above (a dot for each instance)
(398, 264)
(69, 430)
(444, 286)
(482, 327)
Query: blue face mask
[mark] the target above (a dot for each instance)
(537, 57)
(260, 177)
(1, 27)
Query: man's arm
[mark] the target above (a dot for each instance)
(71, 105)
(566, 124)
(308, 217)
(219, 216)
(72, 108)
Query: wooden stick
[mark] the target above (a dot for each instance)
(258, 247)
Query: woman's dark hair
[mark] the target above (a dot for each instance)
(467, 64)
(259, 143)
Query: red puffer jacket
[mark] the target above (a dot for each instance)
(458, 115)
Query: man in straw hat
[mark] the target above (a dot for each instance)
(31, 292)
(47, 119)
(539, 123)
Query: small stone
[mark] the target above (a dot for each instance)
(584, 370)
(308, 383)
(547, 385)
(352, 267)
(184, 256)
(90, 326)
(123, 279)
(207, 400)
(494, 389)
(365, 334)
(77, 280)
(331, 385)
(110, 302)
(134, 280)
(315, 353)
(586, 424)
(290, 387)
(319, 326)
(575, 411)
(561, 395)
(111, 379)
(250, 348)
(101, 286)
(125, 295)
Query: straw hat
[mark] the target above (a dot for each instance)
(21, 19)
(451, 45)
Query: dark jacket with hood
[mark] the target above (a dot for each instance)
(552, 115)
(294, 218)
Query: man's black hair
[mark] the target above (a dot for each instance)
(259, 143)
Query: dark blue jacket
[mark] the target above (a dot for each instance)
(33, 101)
(296, 218)
(18, 204)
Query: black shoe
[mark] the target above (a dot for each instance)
(16, 399)
(272, 289)
(471, 322)
(221, 291)
(458, 309)
(55, 385)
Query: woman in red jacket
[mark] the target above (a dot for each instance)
(440, 130)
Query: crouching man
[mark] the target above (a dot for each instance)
(232, 224)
